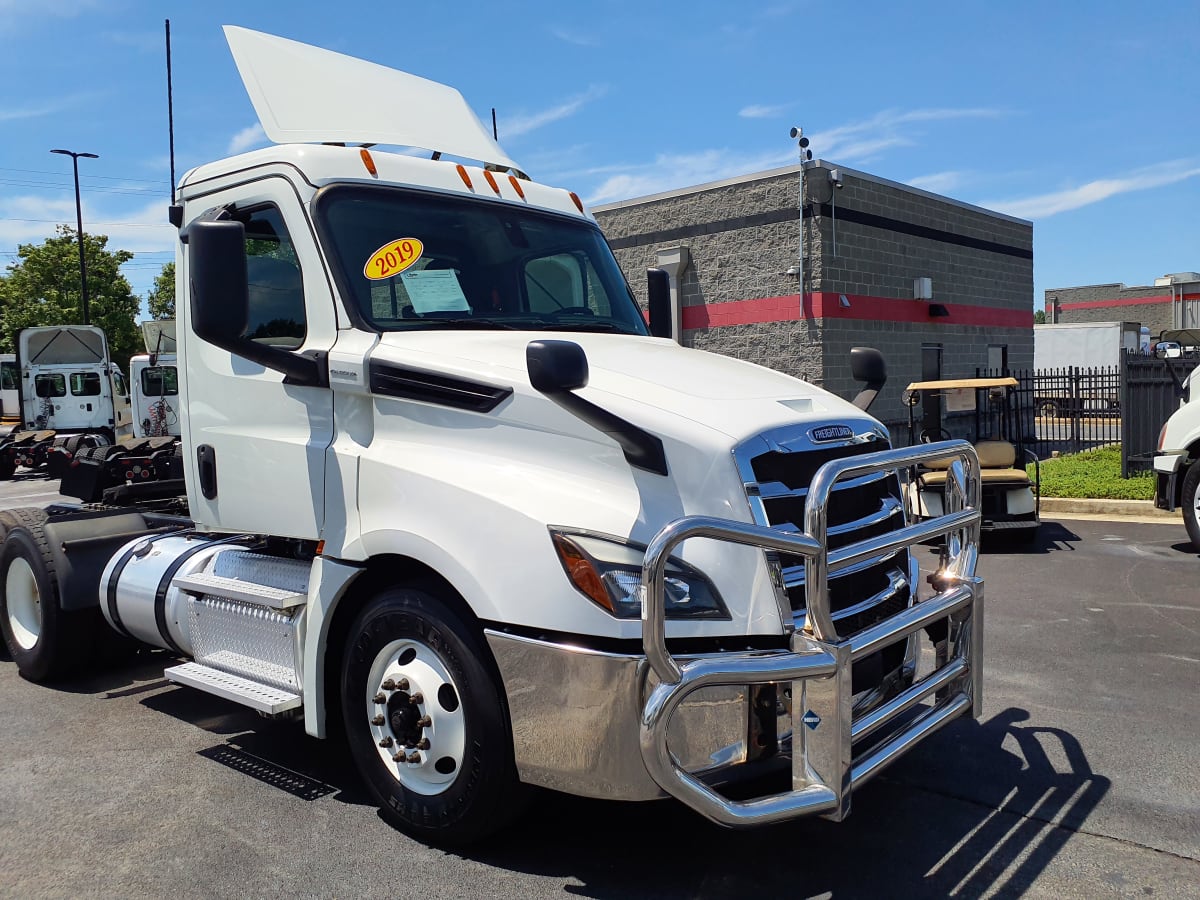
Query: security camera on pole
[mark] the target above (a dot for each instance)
(797, 134)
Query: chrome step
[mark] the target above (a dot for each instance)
(262, 697)
(237, 589)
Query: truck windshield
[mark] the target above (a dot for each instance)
(412, 260)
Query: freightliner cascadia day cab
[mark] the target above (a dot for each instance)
(154, 382)
(449, 496)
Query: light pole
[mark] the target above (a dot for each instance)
(79, 227)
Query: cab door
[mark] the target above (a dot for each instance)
(256, 446)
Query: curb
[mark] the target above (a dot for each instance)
(1115, 508)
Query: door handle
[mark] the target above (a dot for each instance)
(206, 461)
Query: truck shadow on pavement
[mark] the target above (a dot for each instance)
(980, 808)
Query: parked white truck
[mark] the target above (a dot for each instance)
(71, 396)
(154, 381)
(447, 495)
(1177, 461)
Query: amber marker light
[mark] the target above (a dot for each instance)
(368, 162)
(492, 181)
(516, 186)
(575, 199)
(462, 173)
(582, 573)
(320, 547)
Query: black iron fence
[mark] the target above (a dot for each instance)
(1149, 394)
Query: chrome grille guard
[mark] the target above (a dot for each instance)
(818, 664)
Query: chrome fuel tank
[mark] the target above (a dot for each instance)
(136, 594)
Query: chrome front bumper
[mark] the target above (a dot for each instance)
(632, 726)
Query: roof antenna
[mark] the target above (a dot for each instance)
(495, 133)
(170, 111)
(175, 210)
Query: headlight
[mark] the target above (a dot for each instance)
(608, 572)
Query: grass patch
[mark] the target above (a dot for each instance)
(1094, 474)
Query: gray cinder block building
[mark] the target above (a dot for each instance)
(1173, 301)
(939, 286)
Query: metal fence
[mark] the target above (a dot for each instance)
(1149, 394)
(1075, 409)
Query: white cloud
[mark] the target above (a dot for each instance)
(571, 36)
(939, 182)
(886, 129)
(759, 111)
(1041, 206)
(523, 124)
(45, 107)
(250, 136)
(669, 172)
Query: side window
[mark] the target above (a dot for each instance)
(85, 384)
(119, 384)
(565, 281)
(273, 274)
(8, 376)
(50, 385)
(160, 381)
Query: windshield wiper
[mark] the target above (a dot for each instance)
(586, 325)
(466, 324)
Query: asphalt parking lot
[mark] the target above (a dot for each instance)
(1079, 781)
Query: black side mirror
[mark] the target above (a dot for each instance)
(556, 367)
(658, 287)
(219, 302)
(867, 365)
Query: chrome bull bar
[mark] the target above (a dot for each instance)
(818, 663)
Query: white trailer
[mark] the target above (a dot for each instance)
(1084, 346)
(448, 496)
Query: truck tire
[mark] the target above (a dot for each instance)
(416, 685)
(42, 639)
(7, 467)
(1191, 503)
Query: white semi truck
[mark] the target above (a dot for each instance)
(446, 494)
(154, 382)
(72, 396)
(1177, 460)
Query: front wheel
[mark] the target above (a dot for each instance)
(1191, 503)
(426, 721)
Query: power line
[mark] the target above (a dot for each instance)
(92, 189)
(84, 177)
(105, 224)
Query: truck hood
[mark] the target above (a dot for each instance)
(629, 372)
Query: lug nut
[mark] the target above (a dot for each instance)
(423, 744)
(417, 699)
(378, 720)
(389, 685)
(402, 684)
(414, 757)
(424, 722)
(400, 757)
(386, 742)
(380, 698)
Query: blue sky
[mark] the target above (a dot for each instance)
(1084, 123)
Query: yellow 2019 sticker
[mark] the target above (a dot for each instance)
(393, 258)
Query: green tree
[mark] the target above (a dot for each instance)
(1039, 317)
(42, 288)
(161, 299)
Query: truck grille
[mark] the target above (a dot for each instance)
(777, 468)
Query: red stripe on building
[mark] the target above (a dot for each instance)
(823, 305)
(1124, 301)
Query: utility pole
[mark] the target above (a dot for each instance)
(79, 227)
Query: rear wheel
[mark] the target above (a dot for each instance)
(425, 719)
(41, 637)
(1191, 503)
